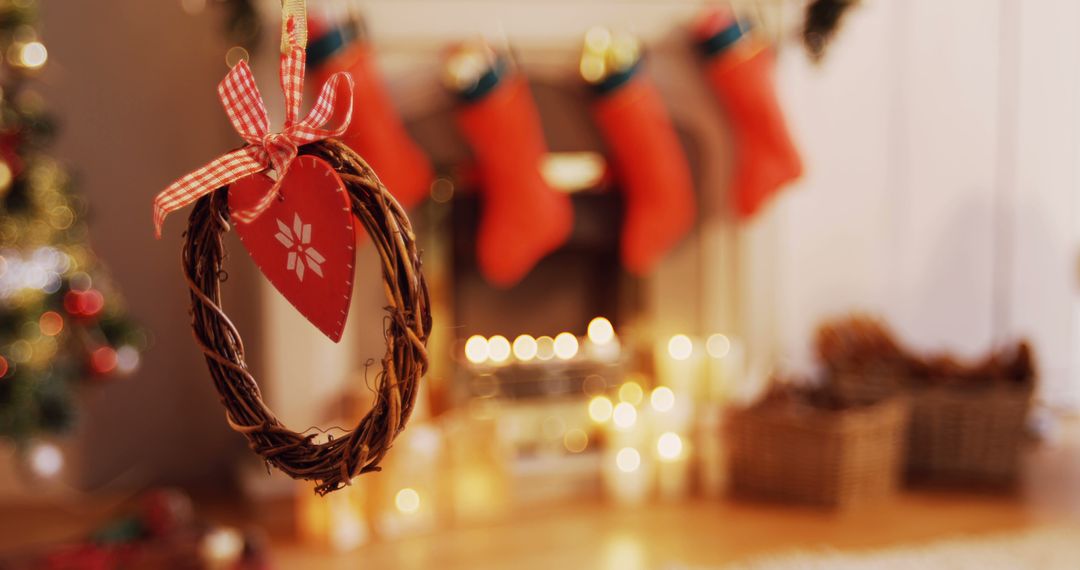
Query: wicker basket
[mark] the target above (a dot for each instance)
(957, 434)
(969, 436)
(793, 452)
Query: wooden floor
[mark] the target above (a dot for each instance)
(673, 536)
(694, 534)
(702, 534)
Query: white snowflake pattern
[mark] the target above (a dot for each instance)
(297, 240)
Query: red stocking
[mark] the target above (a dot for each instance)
(376, 131)
(652, 170)
(740, 71)
(523, 218)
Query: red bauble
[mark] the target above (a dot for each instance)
(164, 511)
(73, 303)
(103, 360)
(81, 557)
(84, 303)
(10, 142)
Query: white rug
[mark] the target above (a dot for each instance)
(1055, 548)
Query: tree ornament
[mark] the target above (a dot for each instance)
(103, 360)
(298, 225)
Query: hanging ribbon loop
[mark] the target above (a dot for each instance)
(265, 150)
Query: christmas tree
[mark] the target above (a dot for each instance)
(61, 326)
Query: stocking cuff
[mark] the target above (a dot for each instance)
(617, 79)
(486, 83)
(331, 41)
(714, 43)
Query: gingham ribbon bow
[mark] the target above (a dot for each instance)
(265, 150)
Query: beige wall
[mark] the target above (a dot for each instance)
(133, 85)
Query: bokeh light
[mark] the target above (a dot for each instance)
(600, 409)
(575, 440)
(669, 446)
(103, 360)
(624, 415)
(680, 347)
(631, 392)
(407, 501)
(476, 349)
(498, 348)
(442, 190)
(127, 359)
(222, 545)
(662, 399)
(566, 346)
(84, 303)
(597, 38)
(235, 55)
(628, 460)
(46, 460)
(600, 331)
(593, 385)
(718, 345)
(524, 348)
(51, 323)
(21, 351)
(545, 348)
(33, 55)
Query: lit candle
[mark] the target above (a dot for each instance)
(600, 331)
(628, 466)
(680, 364)
(627, 474)
(601, 342)
(673, 465)
(670, 415)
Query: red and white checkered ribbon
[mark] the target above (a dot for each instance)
(265, 150)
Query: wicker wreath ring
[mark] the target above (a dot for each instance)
(333, 463)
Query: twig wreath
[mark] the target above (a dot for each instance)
(330, 187)
(335, 462)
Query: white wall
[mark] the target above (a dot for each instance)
(941, 139)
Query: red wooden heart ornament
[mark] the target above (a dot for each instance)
(304, 243)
